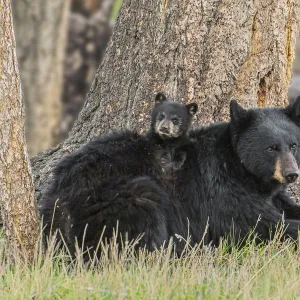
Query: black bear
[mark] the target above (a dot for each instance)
(128, 170)
(232, 179)
(282, 201)
(109, 183)
(241, 167)
(170, 125)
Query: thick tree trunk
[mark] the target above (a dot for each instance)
(41, 30)
(16, 185)
(203, 51)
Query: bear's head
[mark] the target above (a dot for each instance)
(170, 120)
(266, 141)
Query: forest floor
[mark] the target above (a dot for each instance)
(270, 271)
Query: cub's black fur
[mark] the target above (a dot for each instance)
(170, 121)
(130, 172)
(170, 124)
(232, 179)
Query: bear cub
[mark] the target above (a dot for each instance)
(170, 124)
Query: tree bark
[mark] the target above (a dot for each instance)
(202, 51)
(41, 30)
(16, 186)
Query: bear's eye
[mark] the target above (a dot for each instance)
(175, 121)
(161, 117)
(294, 146)
(271, 148)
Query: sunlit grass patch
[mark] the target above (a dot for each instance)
(266, 271)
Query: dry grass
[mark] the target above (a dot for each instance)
(253, 272)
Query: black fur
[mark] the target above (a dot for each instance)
(227, 181)
(170, 124)
(112, 179)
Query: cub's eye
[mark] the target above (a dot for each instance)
(294, 146)
(175, 121)
(161, 117)
(271, 148)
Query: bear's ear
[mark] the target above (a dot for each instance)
(160, 97)
(192, 108)
(293, 111)
(237, 113)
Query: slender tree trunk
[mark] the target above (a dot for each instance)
(205, 51)
(16, 185)
(296, 66)
(41, 30)
(89, 32)
(87, 7)
(294, 89)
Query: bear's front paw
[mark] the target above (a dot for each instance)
(165, 157)
(179, 160)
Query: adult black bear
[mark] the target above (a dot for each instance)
(111, 179)
(241, 168)
(232, 176)
(123, 175)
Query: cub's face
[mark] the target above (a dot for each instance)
(266, 141)
(171, 120)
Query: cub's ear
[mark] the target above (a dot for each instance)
(293, 111)
(160, 97)
(237, 113)
(192, 108)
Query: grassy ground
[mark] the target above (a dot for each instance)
(254, 272)
(265, 272)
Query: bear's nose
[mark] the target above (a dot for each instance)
(291, 176)
(164, 129)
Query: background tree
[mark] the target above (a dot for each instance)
(41, 31)
(294, 89)
(89, 30)
(201, 51)
(16, 185)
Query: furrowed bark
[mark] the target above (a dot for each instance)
(17, 199)
(202, 51)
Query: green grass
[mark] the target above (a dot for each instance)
(253, 272)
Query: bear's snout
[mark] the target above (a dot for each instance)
(286, 169)
(291, 175)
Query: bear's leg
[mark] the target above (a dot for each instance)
(179, 160)
(136, 206)
(286, 205)
(271, 218)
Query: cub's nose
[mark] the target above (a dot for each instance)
(164, 129)
(291, 176)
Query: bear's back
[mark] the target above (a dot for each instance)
(118, 153)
